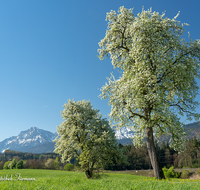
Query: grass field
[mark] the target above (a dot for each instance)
(55, 179)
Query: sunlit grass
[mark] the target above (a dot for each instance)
(54, 179)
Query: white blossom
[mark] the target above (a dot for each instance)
(159, 71)
(86, 136)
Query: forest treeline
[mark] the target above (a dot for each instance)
(137, 159)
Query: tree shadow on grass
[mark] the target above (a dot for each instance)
(98, 175)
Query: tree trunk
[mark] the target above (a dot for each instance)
(158, 173)
(88, 173)
(89, 170)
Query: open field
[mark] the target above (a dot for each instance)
(55, 179)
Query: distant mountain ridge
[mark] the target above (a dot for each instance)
(37, 140)
(27, 139)
(42, 148)
(192, 130)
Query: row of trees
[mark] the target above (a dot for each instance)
(17, 163)
(13, 164)
(9, 154)
(190, 157)
(138, 159)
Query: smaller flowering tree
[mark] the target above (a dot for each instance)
(49, 163)
(84, 135)
(158, 83)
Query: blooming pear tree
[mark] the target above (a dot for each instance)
(84, 135)
(157, 84)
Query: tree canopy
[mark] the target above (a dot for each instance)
(159, 69)
(84, 135)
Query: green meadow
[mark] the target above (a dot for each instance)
(56, 179)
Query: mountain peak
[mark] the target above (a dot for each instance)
(123, 133)
(33, 128)
(27, 139)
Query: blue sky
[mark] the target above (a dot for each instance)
(48, 54)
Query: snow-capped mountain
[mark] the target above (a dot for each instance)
(123, 133)
(27, 139)
(37, 140)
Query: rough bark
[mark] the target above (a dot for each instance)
(89, 170)
(158, 173)
(88, 173)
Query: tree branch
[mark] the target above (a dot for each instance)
(167, 71)
(182, 109)
(133, 113)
